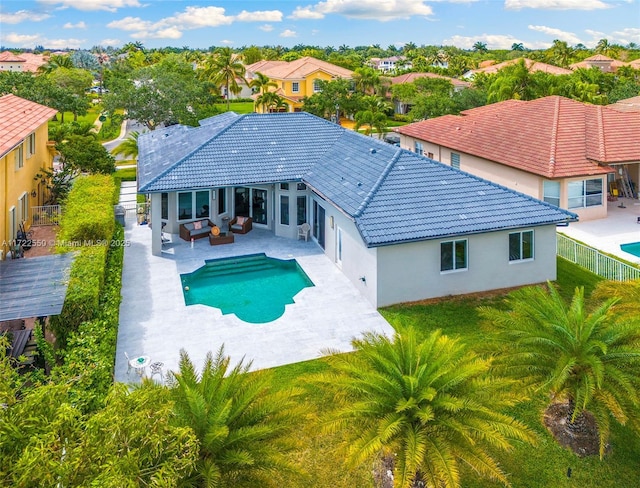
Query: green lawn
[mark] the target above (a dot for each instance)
(543, 466)
(237, 107)
(91, 116)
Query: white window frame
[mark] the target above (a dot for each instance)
(521, 258)
(316, 85)
(19, 156)
(585, 199)
(31, 144)
(23, 207)
(281, 208)
(455, 160)
(295, 87)
(419, 148)
(551, 192)
(455, 266)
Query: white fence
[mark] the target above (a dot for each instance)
(45, 215)
(596, 262)
(139, 211)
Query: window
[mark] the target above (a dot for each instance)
(164, 206)
(586, 193)
(31, 145)
(19, 155)
(295, 86)
(301, 210)
(284, 209)
(284, 186)
(317, 86)
(301, 187)
(551, 192)
(418, 148)
(521, 245)
(222, 200)
(23, 207)
(455, 160)
(193, 203)
(430, 155)
(453, 255)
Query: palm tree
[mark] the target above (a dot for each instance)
(430, 403)
(56, 61)
(560, 53)
(366, 80)
(627, 291)
(589, 359)
(129, 147)
(270, 100)
(225, 67)
(261, 83)
(480, 47)
(517, 46)
(373, 116)
(243, 428)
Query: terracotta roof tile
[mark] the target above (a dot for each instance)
(18, 119)
(411, 77)
(298, 69)
(553, 136)
(627, 105)
(532, 66)
(9, 57)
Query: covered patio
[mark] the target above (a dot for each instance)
(155, 322)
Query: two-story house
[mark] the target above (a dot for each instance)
(296, 79)
(561, 151)
(23, 155)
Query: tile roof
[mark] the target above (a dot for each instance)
(9, 57)
(531, 65)
(627, 105)
(411, 77)
(31, 61)
(18, 119)
(392, 195)
(298, 69)
(552, 137)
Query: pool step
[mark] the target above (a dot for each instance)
(235, 268)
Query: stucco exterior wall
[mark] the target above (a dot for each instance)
(411, 272)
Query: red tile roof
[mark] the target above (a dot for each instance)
(298, 69)
(411, 77)
(531, 65)
(553, 137)
(18, 119)
(627, 105)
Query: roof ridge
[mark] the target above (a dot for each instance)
(602, 148)
(367, 199)
(553, 149)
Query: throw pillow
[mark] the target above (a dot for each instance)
(239, 220)
(197, 225)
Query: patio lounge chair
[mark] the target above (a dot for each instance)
(240, 225)
(303, 231)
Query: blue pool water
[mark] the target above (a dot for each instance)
(254, 287)
(631, 248)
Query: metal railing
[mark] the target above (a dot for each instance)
(46, 215)
(593, 260)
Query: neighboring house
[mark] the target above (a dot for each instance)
(403, 108)
(24, 62)
(400, 226)
(555, 149)
(390, 65)
(532, 66)
(600, 61)
(297, 79)
(23, 154)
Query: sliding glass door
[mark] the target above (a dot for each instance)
(251, 202)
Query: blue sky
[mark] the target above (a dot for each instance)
(79, 24)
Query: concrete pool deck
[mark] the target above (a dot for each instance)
(155, 322)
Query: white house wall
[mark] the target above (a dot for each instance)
(411, 272)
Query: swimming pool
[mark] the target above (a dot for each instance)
(631, 248)
(254, 287)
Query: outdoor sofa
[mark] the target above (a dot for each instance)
(196, 229)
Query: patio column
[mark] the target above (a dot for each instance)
(156, 224)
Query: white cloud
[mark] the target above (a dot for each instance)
(63, 43)
(130, 24)
(382, 10)
(568, 37)
(555, 4)
(288, 33)
(88, 5)
(79, 25)
(168, 33)
(110, 42)
(22, 16)
(625, 36)
(493, 41)
(197, 17)
(226, 42)
(266, 28)
(20, 40)
(259, 16)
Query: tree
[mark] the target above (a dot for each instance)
(83, 59)
(430, 404)
(261, 83)
(517, 46)
(512, 82)
(225, 67)
(270, 100)
(86, 154)
(56, 61)
(588, 358)
(560, 53)
(480, 47)
(251, 55)
(129, 147)
(369, 81)
(334, 96)
(243, 428)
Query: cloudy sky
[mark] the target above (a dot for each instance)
(59, 24)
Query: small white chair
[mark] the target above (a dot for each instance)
(156, 368)
(128, 362)
(303, 231)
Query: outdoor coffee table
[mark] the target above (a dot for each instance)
(223, 238)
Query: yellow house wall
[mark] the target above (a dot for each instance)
(305, 86)
(14, 182)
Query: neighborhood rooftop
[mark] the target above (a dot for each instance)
(18, 118)
(552, 137)
(391, 194)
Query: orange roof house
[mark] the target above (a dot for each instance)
(627, 105)
(24, 62)
(531, 65)
(600, 61)
(297, 79)
(23, 154)
(555, 149)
